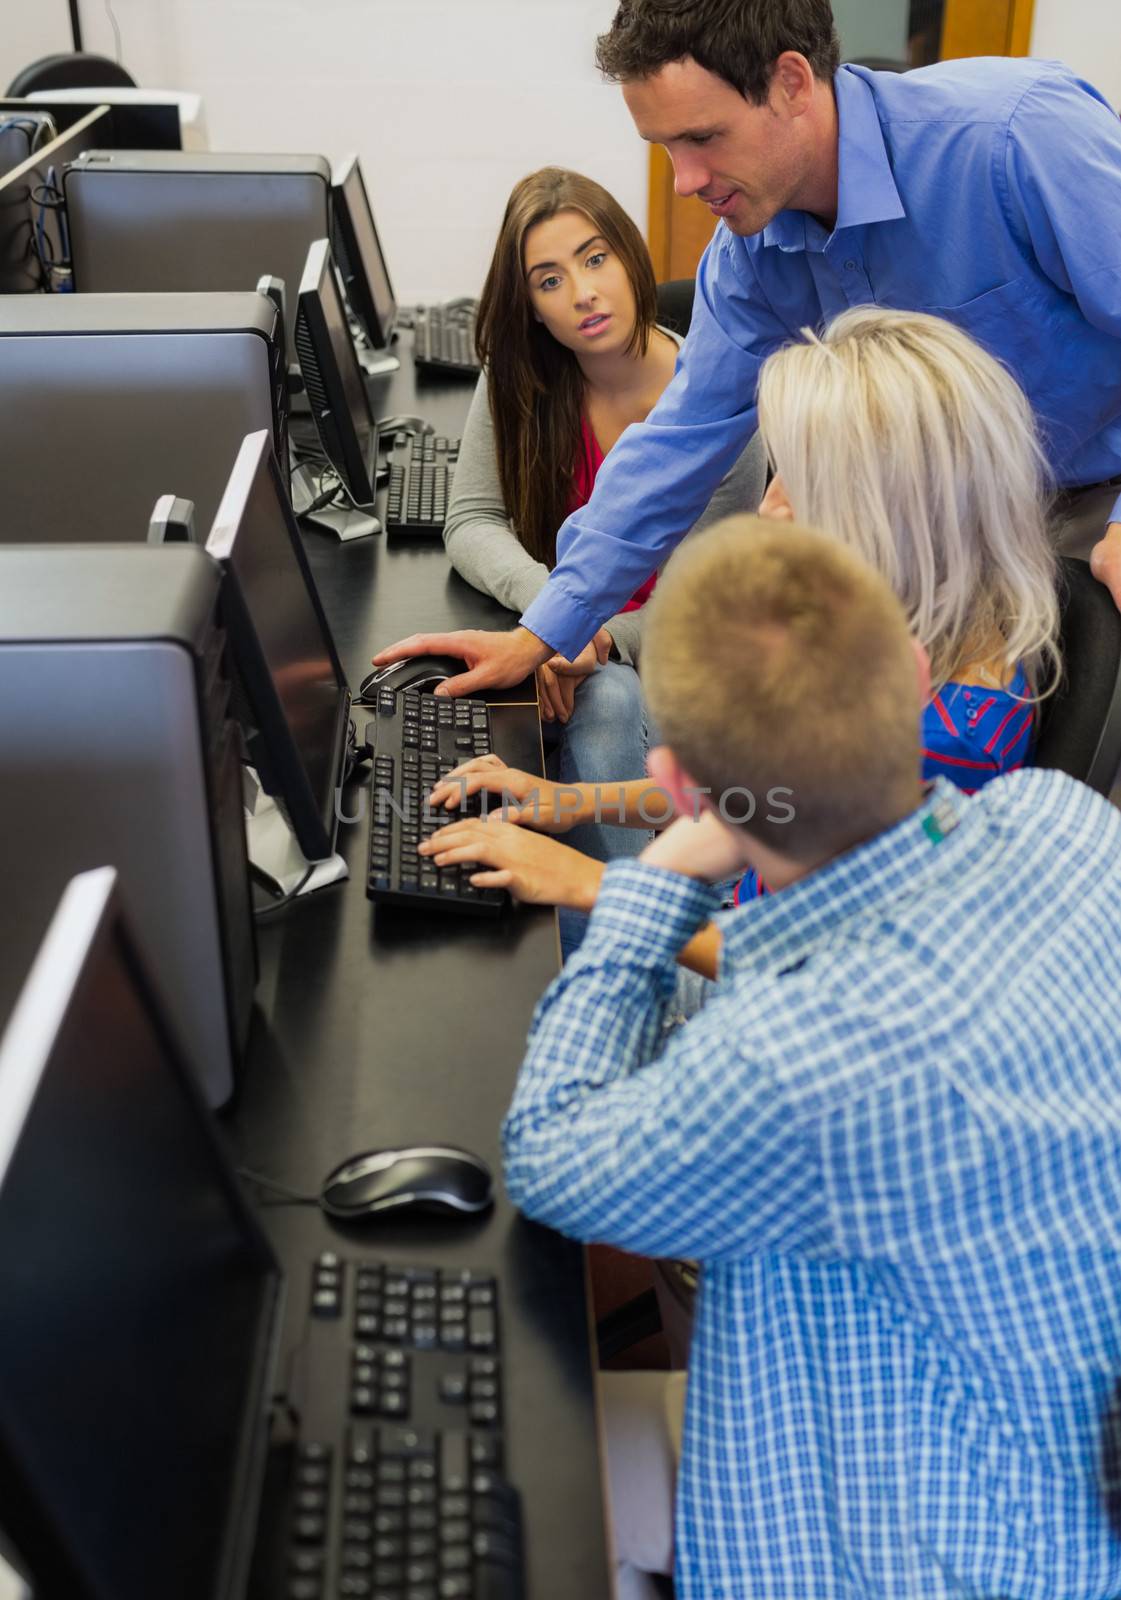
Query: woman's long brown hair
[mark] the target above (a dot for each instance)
(535, 384)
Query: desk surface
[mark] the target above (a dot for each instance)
(392, 1028)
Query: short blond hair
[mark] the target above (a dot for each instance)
(898, 434)
(776, 660)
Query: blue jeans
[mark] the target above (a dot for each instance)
(605, 742)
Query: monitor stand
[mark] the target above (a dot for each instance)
(274, 853)
(344, 522)
(375, 363)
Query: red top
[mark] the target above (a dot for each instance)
(588, 464)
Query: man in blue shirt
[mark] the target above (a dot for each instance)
(891, 1137)
(986, 191)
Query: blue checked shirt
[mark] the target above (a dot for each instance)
(893, 1139)
(988, 192)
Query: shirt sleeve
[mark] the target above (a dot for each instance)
(685, 1148)
(480, 540)
(740, 491)
(1063, 172)
(661, 474)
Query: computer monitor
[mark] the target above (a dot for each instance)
(141, 119)
(140, 1297)
(358, 252)
(297, 704)
(108, 401)
(122, 646)
(335, 387)
(155, 220)
(34, 241)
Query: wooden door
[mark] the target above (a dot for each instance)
(679, 230)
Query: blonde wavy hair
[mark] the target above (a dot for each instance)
(897, 434)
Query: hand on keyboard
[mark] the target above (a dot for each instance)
(529, 800)
(532, 867)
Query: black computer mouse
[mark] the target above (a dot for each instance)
(420, 1177)
(418, 672)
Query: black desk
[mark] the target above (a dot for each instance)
(395, 1028)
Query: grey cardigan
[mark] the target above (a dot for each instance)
(485, 550)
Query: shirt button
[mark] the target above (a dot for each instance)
(850, 266)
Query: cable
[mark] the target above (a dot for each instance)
(293, 1196)
(116, 29)
(268, 912)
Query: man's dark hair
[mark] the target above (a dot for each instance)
(738, 40)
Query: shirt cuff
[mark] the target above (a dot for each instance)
(648, 911)
(1115, 514)
(562, 621)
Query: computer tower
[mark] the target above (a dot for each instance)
(108, 402)
(116, 749)
(158, 220)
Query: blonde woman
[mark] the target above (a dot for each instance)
(895, 433)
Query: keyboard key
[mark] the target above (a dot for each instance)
(306, 1563)
(303, 1589)
(454, 1464)
(481, 1328)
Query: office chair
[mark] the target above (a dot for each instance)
(75, 69)
(1080, 725)
(675, 304)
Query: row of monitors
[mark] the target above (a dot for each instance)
(118, 1208)
(152, 221)
(171, 668)
(165, 220)
(148, 393)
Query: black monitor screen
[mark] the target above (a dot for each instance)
(367, 277)
(262, 548)
(354, 389)
(138, 1300)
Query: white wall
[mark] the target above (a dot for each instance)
(28, 32)
(447, 102)
(1086, 34)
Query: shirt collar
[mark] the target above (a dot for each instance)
(866, 190)
(778, 930)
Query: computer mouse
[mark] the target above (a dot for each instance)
(421, 1177)
(418, 672)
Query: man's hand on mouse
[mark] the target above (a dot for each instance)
(494, 660)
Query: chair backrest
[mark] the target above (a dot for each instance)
(675, 304)
(76, 69)
(1080, 725)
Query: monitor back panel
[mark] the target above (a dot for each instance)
(96, 426)
(102, 764)
(176, 228)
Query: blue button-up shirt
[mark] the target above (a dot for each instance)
(893, 1139)
(988, 192)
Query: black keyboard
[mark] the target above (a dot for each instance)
(416, 740)
(444, 337)
(406, 1500)
(420, 487)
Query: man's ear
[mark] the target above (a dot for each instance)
(667, 772)
(793, 78)
(922, 669)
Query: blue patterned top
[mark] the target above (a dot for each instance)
(970, 735)
(893, 1139)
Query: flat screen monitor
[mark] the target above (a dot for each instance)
(296, 704)
(335, 387)
(140, 1297)
(34, 238)
(140, 119)
(358, 252)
